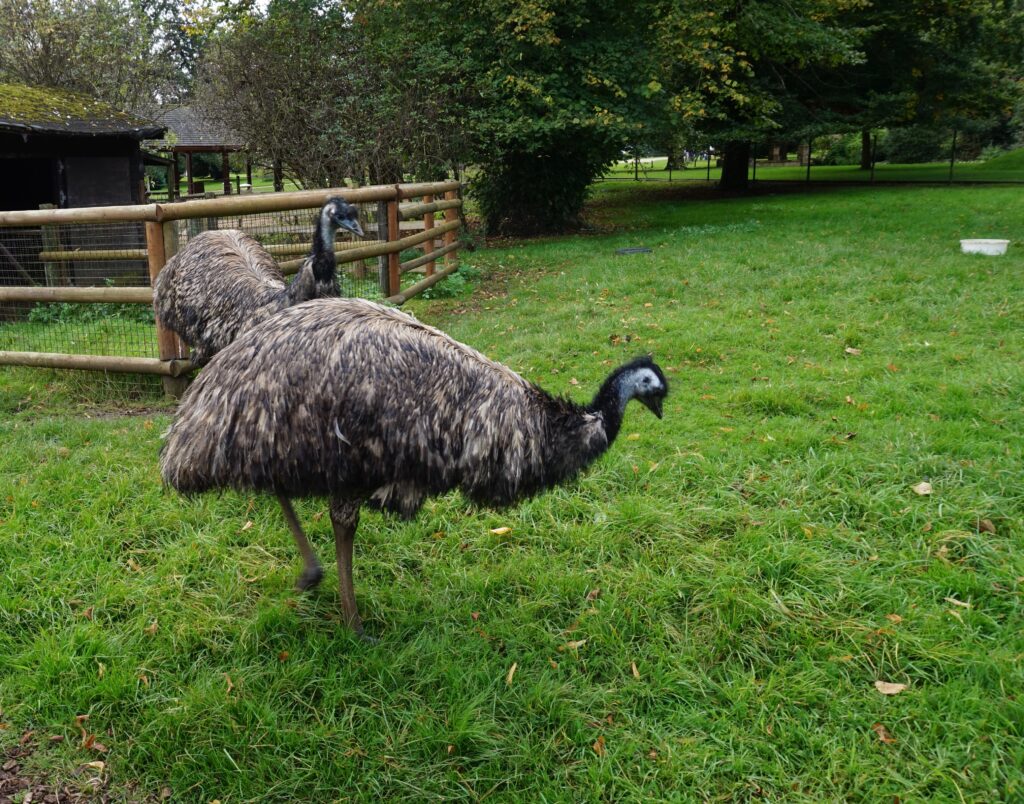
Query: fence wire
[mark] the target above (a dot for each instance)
(79, 255)
(114, 255)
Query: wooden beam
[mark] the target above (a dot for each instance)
(87, 256)
(408, 211)
(305, 199)
(426, 259)
(422, 285)
(78, 295)
(132, 365)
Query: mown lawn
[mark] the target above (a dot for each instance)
(1009, 168)
(704, 616)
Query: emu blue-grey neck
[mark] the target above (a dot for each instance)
(611, 400)
(324, 263)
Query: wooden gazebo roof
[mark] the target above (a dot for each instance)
(188, 130)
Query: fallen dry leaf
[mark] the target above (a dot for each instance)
(282, 656)
(88, 613)
(95, 765)
(501, 531)
(986, 526)
(151, 628)
(231, 684)
(553, 663)
(599, 746)
(636, 673)
(895, 619)
(889, 687)
(575, 645)
(511, 672)
(923, 488)
(246, 526)
(956, 602)
(850, 350)
(883, 734)
(593, 594)
(165, 793)
(574, 381)
(633, 437)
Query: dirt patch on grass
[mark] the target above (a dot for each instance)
(19, 782)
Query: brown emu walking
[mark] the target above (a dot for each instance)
(223, 282)
(362, 403)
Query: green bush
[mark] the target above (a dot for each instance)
(837, 149)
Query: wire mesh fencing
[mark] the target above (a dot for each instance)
(75, 285)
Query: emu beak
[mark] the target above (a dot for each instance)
(653, 403)
(354, 227)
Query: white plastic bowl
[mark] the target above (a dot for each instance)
(984, 246)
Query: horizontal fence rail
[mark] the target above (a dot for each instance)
(54, 262)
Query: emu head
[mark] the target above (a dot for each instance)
(340, 214)
(643, 380)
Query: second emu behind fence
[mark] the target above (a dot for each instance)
(223, 282)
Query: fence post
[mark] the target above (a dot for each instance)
(56, 273)
(169, 345)
(952, 157)
(382, 260)
(451, 259)
(394, 233)
(428, 224)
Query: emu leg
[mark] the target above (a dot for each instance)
(345, 519)
(312, 572)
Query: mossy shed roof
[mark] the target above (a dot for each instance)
(28, 110)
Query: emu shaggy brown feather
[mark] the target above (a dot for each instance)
(362, 403)
(223, 282)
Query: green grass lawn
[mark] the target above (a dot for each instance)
(1008, 167)
(703, 616)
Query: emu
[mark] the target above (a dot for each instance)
(223, 282)
(362, 403)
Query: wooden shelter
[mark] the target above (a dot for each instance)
(189, 133)
(65, 149)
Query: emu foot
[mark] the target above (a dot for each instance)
(310, 578)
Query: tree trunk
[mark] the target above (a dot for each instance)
(735, 165)
(673, 160)
(865, 149)
(278, 176)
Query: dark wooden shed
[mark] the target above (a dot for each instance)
(64, 149)
(67, 149)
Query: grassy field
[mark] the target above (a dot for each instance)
(1008, 167)
(704, 616)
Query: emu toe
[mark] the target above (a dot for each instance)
(310, 578)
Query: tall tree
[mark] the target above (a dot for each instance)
(105, 48)
(331, 94)
(556, 86)
(738, 71)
